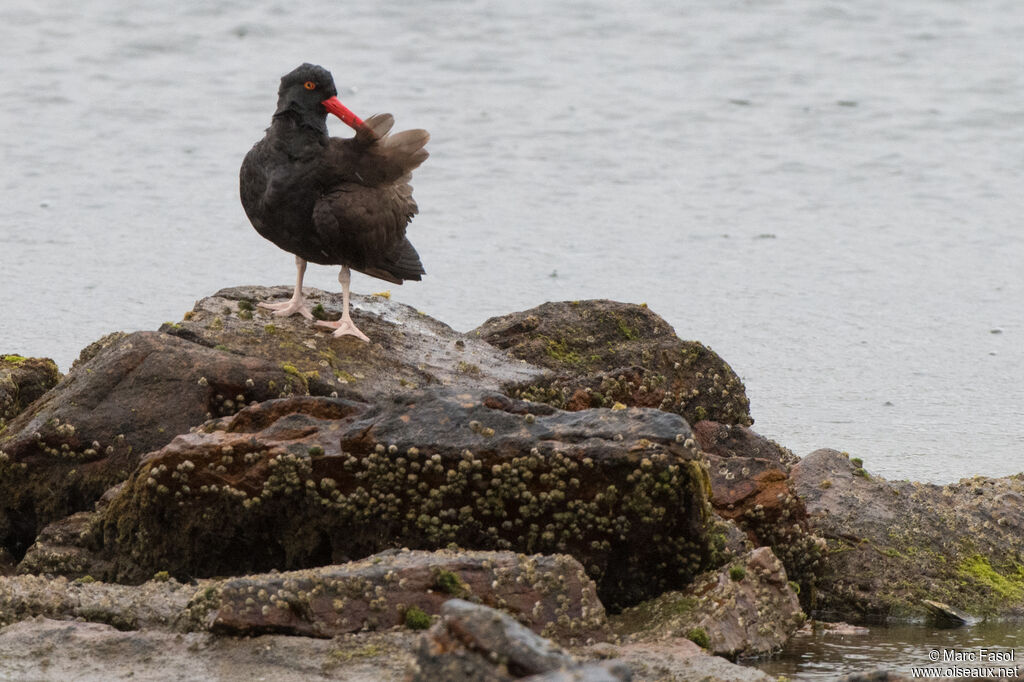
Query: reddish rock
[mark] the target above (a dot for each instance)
(750, 486)
(733, 440)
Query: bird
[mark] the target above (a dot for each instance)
(331, 200)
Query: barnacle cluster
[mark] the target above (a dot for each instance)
(638, 524)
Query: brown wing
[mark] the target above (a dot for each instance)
(364, 228)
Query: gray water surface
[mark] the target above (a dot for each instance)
(829, 194)
(900, 649)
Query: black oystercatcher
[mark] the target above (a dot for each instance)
(330, 200)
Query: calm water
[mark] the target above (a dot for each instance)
(820, 657)
(827, 193)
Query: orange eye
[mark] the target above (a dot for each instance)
(309, 85)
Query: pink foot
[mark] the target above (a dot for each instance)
(289, 307)
(344, 327)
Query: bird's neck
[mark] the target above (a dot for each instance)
(291, 123)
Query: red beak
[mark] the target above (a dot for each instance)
(334, 105)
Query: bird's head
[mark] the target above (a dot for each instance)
(308, 92)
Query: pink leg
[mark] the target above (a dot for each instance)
(297, 303)
(344, 326)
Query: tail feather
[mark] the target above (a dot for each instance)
(379, 124)
(402, 152)
(407, 148)
(402, 263)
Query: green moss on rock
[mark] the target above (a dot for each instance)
(416, 618)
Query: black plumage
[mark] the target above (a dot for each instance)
(329, 200)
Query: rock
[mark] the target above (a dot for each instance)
(131, 393)
(839, 628)
(545, 593)
(408, 349)
(43, 649)
(599, 671)
(474, 642)
(8, 565)
(87, 433)
(945, 616)
(738, 441)
(604, 353)
(310, 481)
(66, 548)
(729, 540)
(155, 604)
(679, 659)
(745, 609)
(750, 486)
(897, 543)
(550, 594)
(875, 676)
(22, 382)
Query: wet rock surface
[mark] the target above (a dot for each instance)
(604, 353)
(894, 544)
(746, 609)
(407, 349)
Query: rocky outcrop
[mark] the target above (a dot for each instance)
(605, 353)
(547, 456)
(309, 481)
(129, 394)
(22, 382)
(896, 543)
(65, 548)
(746, 609)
